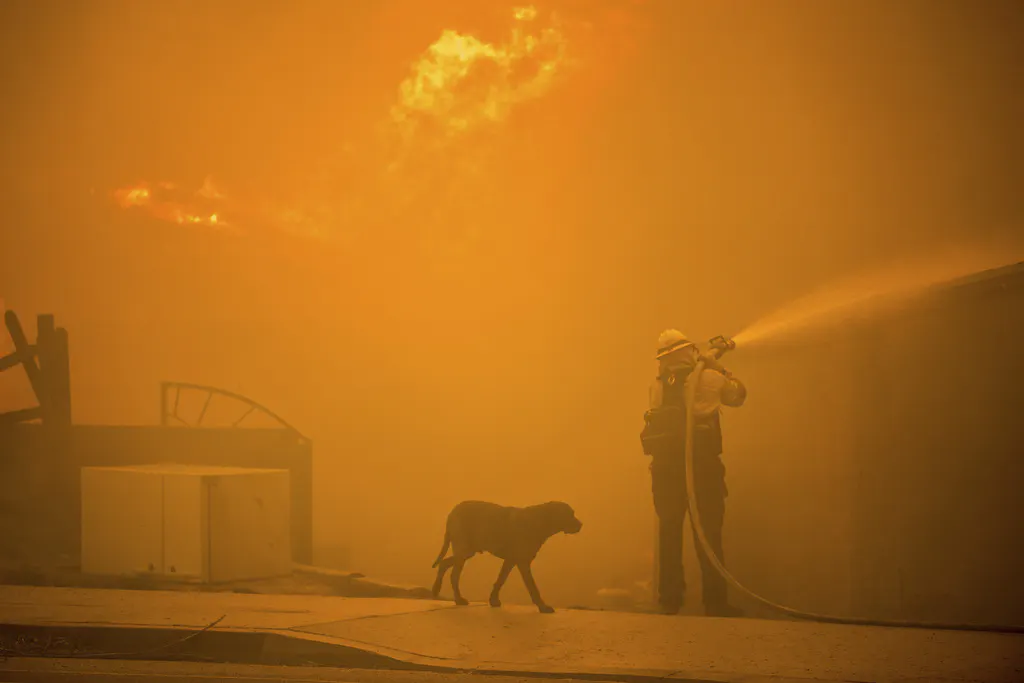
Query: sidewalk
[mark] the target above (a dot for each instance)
(521, 640)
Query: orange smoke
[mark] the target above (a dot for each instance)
(607, 36)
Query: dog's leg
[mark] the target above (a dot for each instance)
(531, 586)
(459, 563)
(506, 569)
(442, 566)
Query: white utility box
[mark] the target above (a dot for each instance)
(191, 522)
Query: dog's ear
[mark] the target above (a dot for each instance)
(560, 513)
(559, 510)
(564, 508)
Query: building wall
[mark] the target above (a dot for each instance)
(789, 460)
(876, 469)
(940, 514)
(40, 496)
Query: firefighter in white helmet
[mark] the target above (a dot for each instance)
(664, 439)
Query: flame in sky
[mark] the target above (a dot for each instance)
(460, 82)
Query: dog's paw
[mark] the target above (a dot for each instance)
(461, 602)
(546, 609)
(494, 602)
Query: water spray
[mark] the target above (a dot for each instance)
(883, 290)
(718, 346)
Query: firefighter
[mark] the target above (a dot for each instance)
(664, 439)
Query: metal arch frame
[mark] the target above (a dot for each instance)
(166, 415)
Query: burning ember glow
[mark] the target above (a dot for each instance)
(158, 200)
(460, 82)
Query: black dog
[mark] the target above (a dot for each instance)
(512, 534)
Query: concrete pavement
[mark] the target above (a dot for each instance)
(34, 670)
(520, 640)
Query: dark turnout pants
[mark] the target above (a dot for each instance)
(668, 483)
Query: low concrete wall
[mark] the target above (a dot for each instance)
(40, 498)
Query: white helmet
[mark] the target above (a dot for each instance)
(671, 340)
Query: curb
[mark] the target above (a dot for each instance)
(258, 647)
(336, 583)
(230, 646)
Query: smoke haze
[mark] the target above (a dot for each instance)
(468, 307)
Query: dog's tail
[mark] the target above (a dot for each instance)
(444, 548)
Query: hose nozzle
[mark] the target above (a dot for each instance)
(721, 343)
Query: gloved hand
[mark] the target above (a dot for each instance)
(711, 363)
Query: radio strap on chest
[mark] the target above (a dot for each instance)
(664, 431)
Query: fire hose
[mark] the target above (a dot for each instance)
(719, 346)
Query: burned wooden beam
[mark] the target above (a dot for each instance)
(23, 415)
(13, 359)
(60, 378)
(49, 376)
(45, 327)
(27, 357)
(52, 344)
